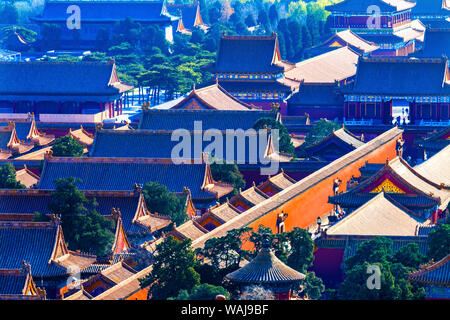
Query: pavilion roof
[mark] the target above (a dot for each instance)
(437, 43)
(342, 39)
(352, 39)
(121, 174)
(415, 178)
(266, 269)
(82, 136)
(436, 141)
(159, 145)
(211, 97)
(189, 14)
(126, 287)
(252, 195)
(18, 284)
(211, 119)
(27, 202)
(280, 85)
(431, 7)
(224, 212)
(398, 177)
(354, 200)
(332, 66)
(282, 180)
(43, 78)
(435, 273)
(399, 76)
(13, 282)
(41, 244)
(27, 177)
(317, 94)
(340, 136)
(189, 230)
(107, 11)
(354, 6)
(248, 54)
(380, 216)
(110, 277)
(436, 168)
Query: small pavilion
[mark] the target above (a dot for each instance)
(269, 272)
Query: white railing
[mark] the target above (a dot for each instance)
(358, 122)
(434, 123)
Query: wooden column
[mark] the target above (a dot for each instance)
(346, 110)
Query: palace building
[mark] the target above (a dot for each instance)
(433, 13)
(437, 43)
(435, 277)
(102, 16)
(101, 174)
(242, 149)
(212, 97)
(171, 120)
(334, 146)
(333, 67)
(405, 185)
(42, 245)
(20, 205)
(380, 216)
(18, 284)
(101, 282)
(345, 38)
(251, 69)
(189, 15)
(386, 23)
(90, 92)
(432, 144)
(382, 83)
(21, 136)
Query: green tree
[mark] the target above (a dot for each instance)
(320, 130)
(67, 146)
(93, 233)
(9, 37)
(202, 292)
(284, 140)
(228, 173)
(159, 199)
(302, 248)
(50, 36)
(355, 285)
(409, 256)
(439, 242)
(394, 283)
(250, 20)
(84, 229)
(173, 270)
(9, 14)
(8, 179)
(40, 217)
(375, 250)
(313, 286)
(225, 252)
